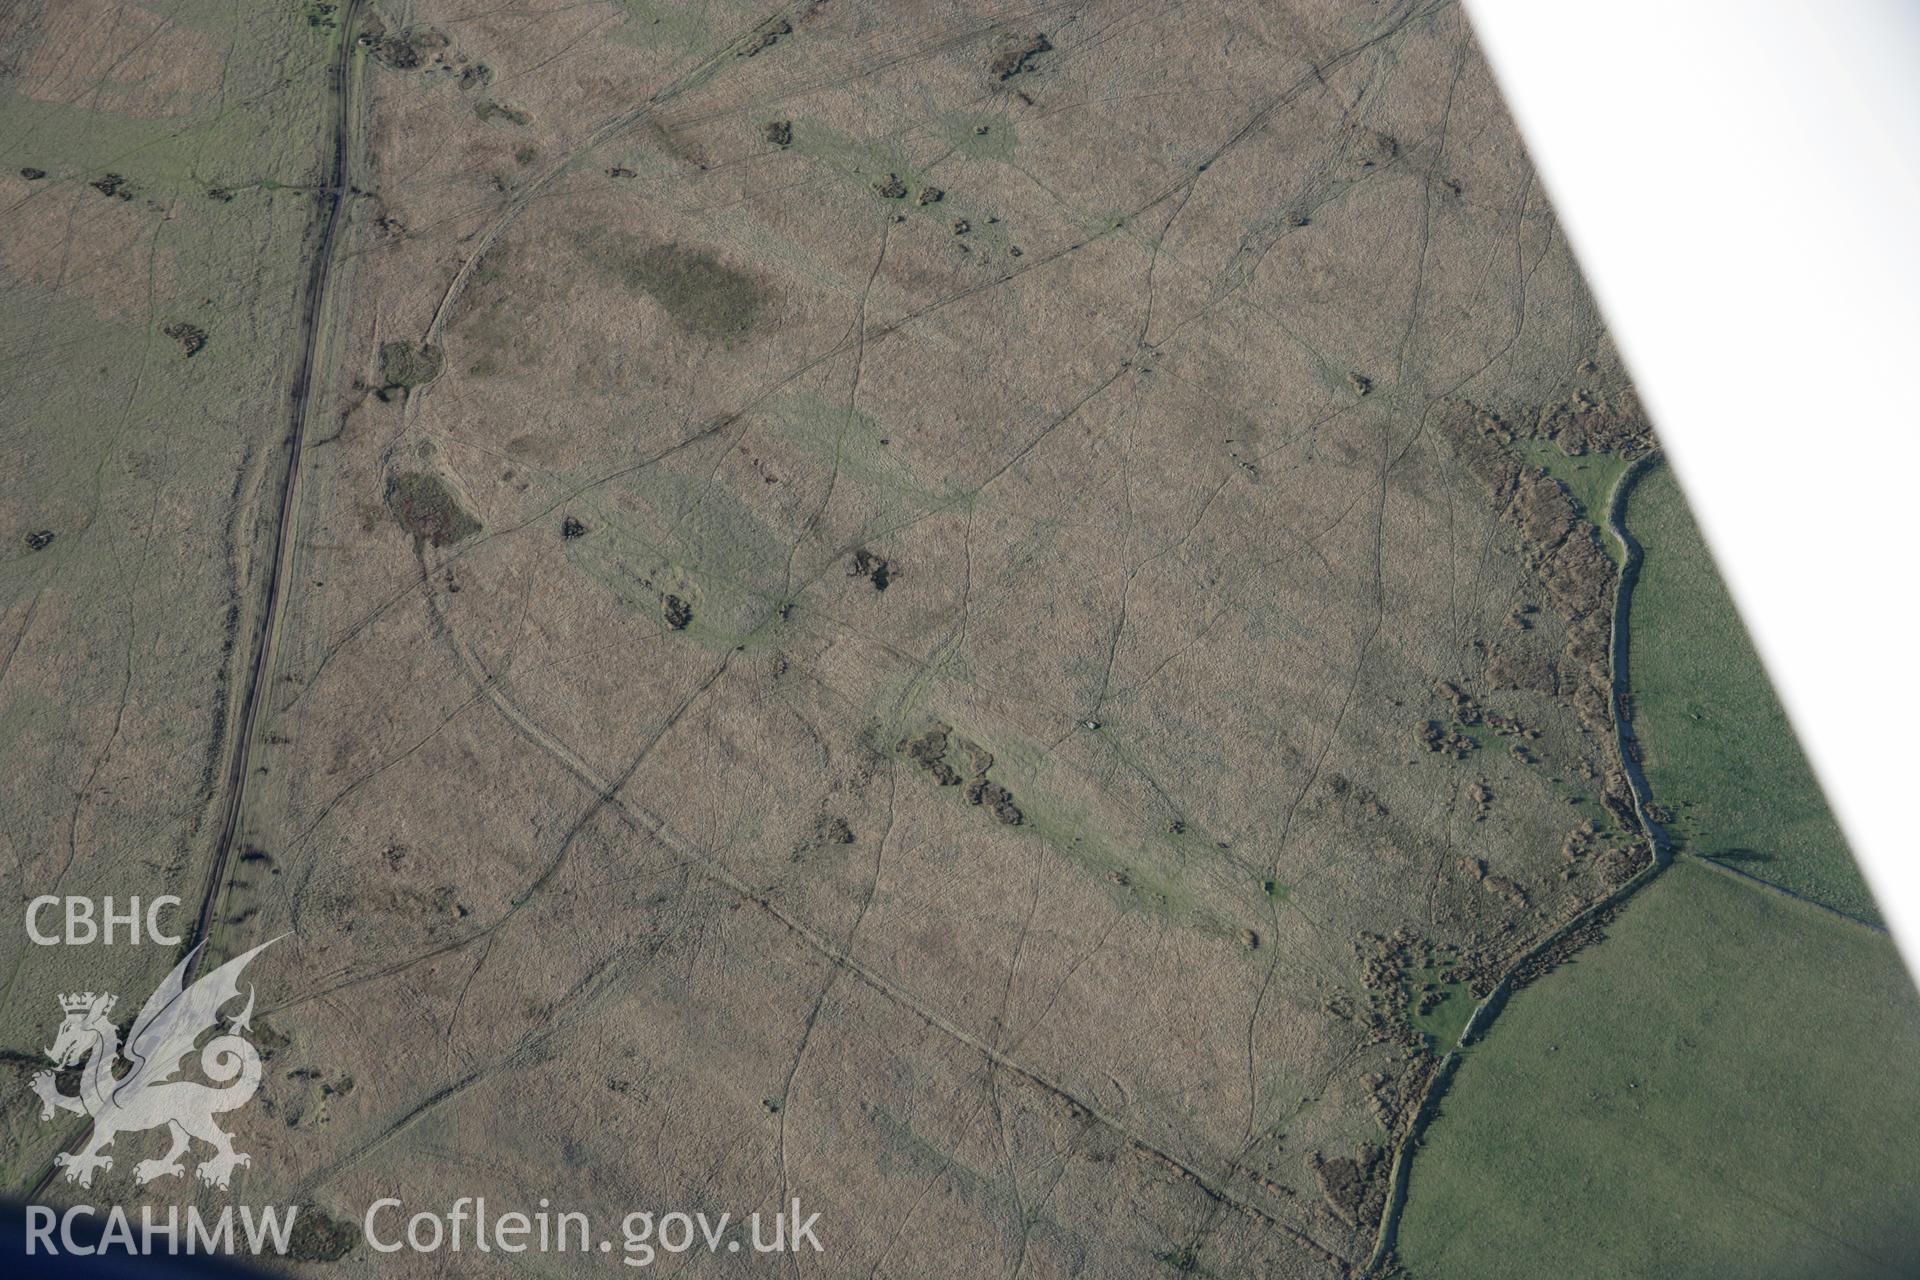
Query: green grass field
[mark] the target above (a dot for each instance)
(1719, 750)
(1724, 1087)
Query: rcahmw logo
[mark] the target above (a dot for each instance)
(170, 1231)
(147, 1096)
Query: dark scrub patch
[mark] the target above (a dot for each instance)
(428, 509)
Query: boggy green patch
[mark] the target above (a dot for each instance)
(701, 294)
(428, 509)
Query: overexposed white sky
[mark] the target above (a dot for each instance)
(1742, 184)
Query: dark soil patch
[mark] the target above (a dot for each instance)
(1017, 56)
(191, 337)
(934, 748)
(32, 174)
(996, 798)
(404, 50)
(1449, 740)
(871, 567)
(929, 750)
(428, 509)
(765, 38)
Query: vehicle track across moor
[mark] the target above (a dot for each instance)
(331, 192)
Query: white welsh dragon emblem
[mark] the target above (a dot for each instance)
(147, 1096)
